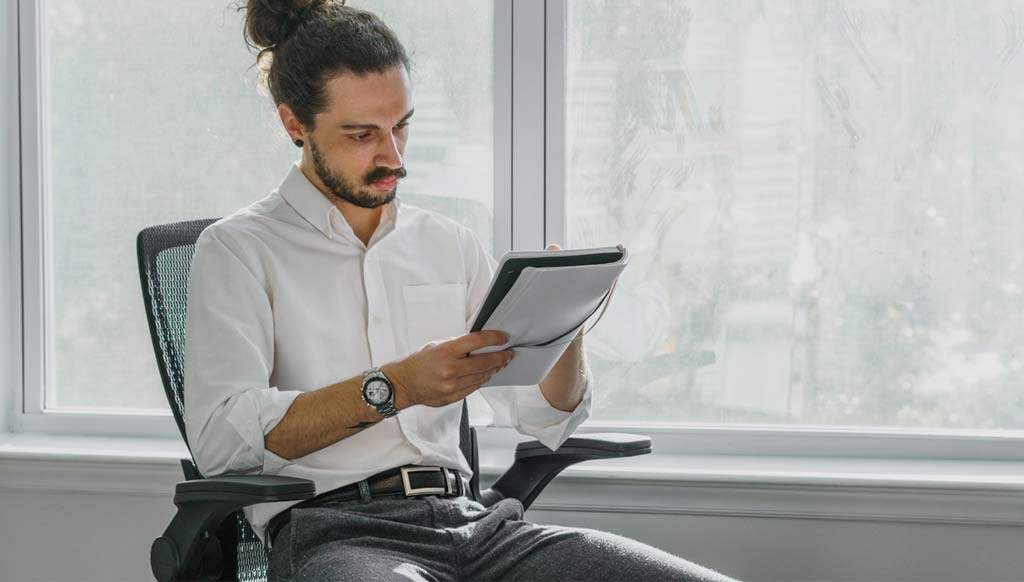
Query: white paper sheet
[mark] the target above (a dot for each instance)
(546, 305)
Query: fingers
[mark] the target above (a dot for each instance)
(469, 384)
(431, 345)
(453, 378)
(451, 371)
(476, 340)
(493, 361)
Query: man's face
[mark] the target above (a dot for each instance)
(358, 146)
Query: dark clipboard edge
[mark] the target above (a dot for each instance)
(509, 270)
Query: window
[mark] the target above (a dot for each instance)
(159, 120)
(826, 196)
(821, 200)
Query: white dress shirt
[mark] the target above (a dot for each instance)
(283, 298)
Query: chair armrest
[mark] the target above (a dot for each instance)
(536, 465)
(244, 490)
(202, 506)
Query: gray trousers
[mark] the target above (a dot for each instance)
(434, 538)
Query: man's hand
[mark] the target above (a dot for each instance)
(443, 372)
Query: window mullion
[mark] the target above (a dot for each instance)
(10, 224)
(554, 122)
(502, 127)
(33, 146)
(528, 131)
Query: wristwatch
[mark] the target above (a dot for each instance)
(378, 392)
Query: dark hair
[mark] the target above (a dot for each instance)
(305, 43)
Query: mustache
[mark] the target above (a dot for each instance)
(384, 173)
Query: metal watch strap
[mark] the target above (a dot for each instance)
(387, 409)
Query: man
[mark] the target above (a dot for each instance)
(314, 342)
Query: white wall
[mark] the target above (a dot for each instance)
(87, 536)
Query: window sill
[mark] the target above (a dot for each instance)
(52, 447)
(90, 464)
(930, 491)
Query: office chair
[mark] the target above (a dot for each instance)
(209, 538)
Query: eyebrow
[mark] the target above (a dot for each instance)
(365, 126)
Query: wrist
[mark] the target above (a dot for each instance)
(395, 374)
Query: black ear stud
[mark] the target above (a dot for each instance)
(298, 143)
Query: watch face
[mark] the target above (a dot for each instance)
(378, 392)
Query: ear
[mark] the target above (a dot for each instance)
(290, 122)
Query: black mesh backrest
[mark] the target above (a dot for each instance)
(165, 256)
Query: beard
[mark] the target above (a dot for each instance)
(341, 187)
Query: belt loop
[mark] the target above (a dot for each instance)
(364, 491)
(456, 483)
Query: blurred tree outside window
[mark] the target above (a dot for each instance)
(827, 195)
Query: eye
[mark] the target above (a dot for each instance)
(402, 125)
(360, 136)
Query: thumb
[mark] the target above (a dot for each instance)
(553, 247)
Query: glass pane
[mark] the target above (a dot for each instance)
(161, 121)
(826, 196)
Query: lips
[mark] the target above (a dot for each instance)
(386, 184)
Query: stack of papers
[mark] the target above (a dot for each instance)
(546, 306)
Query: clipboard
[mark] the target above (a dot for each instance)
(513, 263)
(541, 298)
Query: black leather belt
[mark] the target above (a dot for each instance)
(407, 481)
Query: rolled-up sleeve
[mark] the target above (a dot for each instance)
(229, 355)
(523, 408)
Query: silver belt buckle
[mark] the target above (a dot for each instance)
(412, 492)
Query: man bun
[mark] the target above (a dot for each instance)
(301, 44)
(269, 23)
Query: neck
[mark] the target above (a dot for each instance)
(364, 221)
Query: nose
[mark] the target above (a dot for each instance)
(389, 152)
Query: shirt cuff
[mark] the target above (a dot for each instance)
(272, 464)
(255, 414)
(549, 425)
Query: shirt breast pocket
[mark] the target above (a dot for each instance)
(434, 312)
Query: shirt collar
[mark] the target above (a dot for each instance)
(316, 209)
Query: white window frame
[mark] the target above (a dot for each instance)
(10, 263)
(529, 145)
(34, 234)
